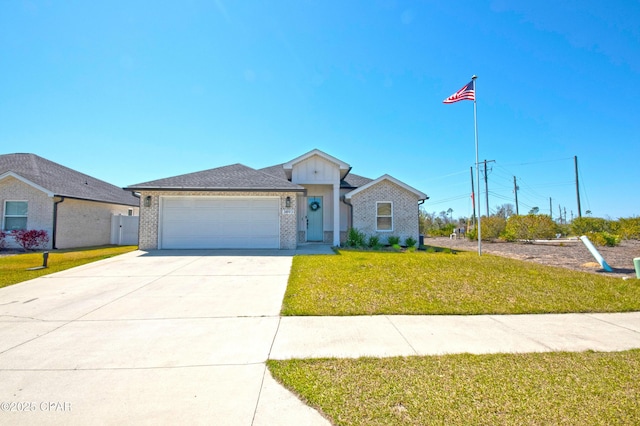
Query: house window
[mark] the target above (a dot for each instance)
(15, 215)
(384, 216)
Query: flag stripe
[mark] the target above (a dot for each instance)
(468, 92)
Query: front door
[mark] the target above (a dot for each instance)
(314, 219)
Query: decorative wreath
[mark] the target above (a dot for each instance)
(314, 206)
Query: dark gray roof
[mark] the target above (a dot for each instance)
(63, 181)
(354, 181)
(277, 171)
(228, 178)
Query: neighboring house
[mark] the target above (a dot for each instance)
(75, 209)
(312, 198)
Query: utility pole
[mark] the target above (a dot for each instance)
(515, 191)
(575, 161)
(550, 209)
(560, 213)
(486, 184)
(565, 215)
(473, 200)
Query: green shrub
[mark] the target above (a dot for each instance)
(603, 239)
(410, 242)
(393, 240)
(492, 228)
(445, 231)
(355, 238)
(374, 241)
(629, 228)
(530, 227)
(584, 225)
(564, 229)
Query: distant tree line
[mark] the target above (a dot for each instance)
(506, 225)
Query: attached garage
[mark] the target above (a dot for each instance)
(204, 222)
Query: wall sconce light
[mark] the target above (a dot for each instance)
(287, 202)
(147, 201)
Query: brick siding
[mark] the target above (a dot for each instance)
(40, 206)
(405, 211)
(81, 223)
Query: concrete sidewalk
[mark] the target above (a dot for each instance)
(182, 337)
(401, 335)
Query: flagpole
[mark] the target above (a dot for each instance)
(475, 123)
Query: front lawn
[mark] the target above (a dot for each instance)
(371, 283)
(586, 388)
(15, 267)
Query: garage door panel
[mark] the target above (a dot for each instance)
(217, 222)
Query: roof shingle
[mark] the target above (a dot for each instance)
(63, 181)
(226, 178)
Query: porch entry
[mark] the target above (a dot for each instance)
(315, 232)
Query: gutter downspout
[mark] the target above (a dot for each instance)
(420, 236)
(55, 222)
(344, 200)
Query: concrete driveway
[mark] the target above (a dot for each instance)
(148, 338)
(181, 337)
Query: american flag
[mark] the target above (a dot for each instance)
(468, 92)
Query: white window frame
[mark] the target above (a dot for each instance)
(5, 215)
(379, 216)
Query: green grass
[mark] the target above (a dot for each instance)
(14, 268)
(370, 283)
(502, 389)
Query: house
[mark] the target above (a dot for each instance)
(312, 198)
(75, 209)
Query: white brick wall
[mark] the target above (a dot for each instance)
(405, 211)
(149, 216)
(84, 223)
(80, 223)
(40, 207)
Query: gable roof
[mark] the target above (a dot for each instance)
(57, 180)
(344, 167)
(350, 181)
(420, 195)
(236, 177)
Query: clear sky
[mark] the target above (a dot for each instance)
(132, 91)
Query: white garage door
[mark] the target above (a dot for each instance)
(219, 222)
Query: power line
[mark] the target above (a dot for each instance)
(447, 200)
(540, 162)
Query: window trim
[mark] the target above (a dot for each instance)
(5, 215)
(389, 216)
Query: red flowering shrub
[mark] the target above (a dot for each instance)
(3, 235)
(30, 239)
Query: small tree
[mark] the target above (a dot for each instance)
(30, 239)
(505, 210)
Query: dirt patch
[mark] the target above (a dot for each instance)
(571, 254)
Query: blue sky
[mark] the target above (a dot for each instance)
(131, 91)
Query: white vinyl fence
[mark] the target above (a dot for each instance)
(124, 230)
